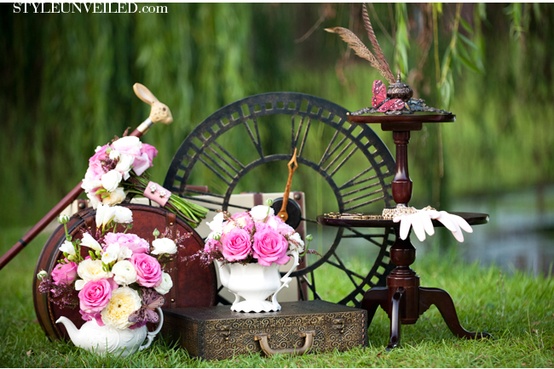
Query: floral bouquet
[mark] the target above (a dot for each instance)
(121, 281)
(254, 236)
(119, 168)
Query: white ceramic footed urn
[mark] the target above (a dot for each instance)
(253, 284)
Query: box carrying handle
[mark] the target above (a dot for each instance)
(264, 344)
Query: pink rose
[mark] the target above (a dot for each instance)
(64, 273)
(95, 295)
(236, 244)
(133, 242)
(269, 246)
(149, 270)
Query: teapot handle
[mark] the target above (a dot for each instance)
(151, 335)
(285, 280)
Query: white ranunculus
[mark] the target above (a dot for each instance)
(90, 242)
(124, 272)
(67, 247)
(122, 215)
(165, 285)
(91, 270)
(115, 197)
(164, 246)
(260, 212)
(110, 180)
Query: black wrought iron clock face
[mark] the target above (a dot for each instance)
(245, 146)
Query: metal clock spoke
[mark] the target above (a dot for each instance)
(343, 167)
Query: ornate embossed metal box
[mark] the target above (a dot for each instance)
(301, 326)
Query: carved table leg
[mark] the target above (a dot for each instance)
(375, 297)
(442, 300)
(395, 320)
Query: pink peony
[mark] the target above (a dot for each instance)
(96, 168)
(149, 270)
(236, 244)
(244, 221)
(212, 245)
(269, 246)
(130, 240)
(128, 145)
(95, 295)
(64, 273)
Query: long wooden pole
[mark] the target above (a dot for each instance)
(159, 113)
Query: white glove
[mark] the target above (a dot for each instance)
(454, 223)
(421, 222)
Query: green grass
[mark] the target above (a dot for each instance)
(515, 308)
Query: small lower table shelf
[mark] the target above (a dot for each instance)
(403, 299)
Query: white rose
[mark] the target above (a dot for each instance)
(90, 270)
(110, 180)
(165, 284)
(260, 212)
(68, 248)
(124, 272)
(164, 246)
(123, 303)
(90, 242)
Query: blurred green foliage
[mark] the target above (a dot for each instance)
(66, 85)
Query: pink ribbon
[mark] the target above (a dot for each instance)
(157, 193)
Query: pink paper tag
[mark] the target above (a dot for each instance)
(157, 193)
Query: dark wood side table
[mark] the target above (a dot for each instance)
(403, 298)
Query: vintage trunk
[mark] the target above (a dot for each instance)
(302, 326)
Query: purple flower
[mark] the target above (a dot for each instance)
(236, 244)
(149, 270)
(269, 246)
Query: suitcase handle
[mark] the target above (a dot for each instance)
(264, 344)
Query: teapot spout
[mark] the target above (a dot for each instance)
(74, 333)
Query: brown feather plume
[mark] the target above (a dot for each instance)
(386, 71)
(377, 61)
(358, 46)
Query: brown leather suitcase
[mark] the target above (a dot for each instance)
(301, 326)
